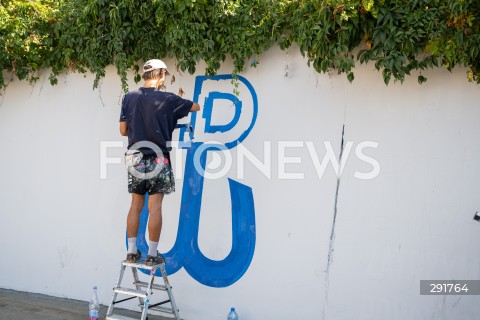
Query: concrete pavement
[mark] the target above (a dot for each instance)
(17, 305)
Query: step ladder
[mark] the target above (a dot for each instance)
(144, 295)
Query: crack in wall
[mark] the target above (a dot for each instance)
(43, 82)
(100, 94)
(34, 81)
(332, 232)
(2, 94)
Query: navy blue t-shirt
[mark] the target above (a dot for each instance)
(152, 115)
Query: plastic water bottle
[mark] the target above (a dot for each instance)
(232, 315)
(94, 306)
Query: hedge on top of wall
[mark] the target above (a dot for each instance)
(397, 36)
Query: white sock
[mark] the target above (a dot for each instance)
(152, 248)
(132, 245)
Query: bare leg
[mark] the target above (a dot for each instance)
(133, 218)
(155, 216)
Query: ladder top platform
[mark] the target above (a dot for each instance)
(141, 265)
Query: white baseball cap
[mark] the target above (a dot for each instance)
(154, 64)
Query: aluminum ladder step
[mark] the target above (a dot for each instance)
(162, 309)
(159, 308)
(140, 265)
(154, 286)
(118, 317)
(131, 292)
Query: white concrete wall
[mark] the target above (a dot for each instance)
(62, 227)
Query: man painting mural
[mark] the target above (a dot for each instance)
(148, 118)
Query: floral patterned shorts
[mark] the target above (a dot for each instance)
(150, 174)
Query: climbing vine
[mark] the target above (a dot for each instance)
(26, 37)
(397, 36)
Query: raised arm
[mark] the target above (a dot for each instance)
(195, 107)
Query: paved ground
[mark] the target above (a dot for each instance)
(17, 305)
